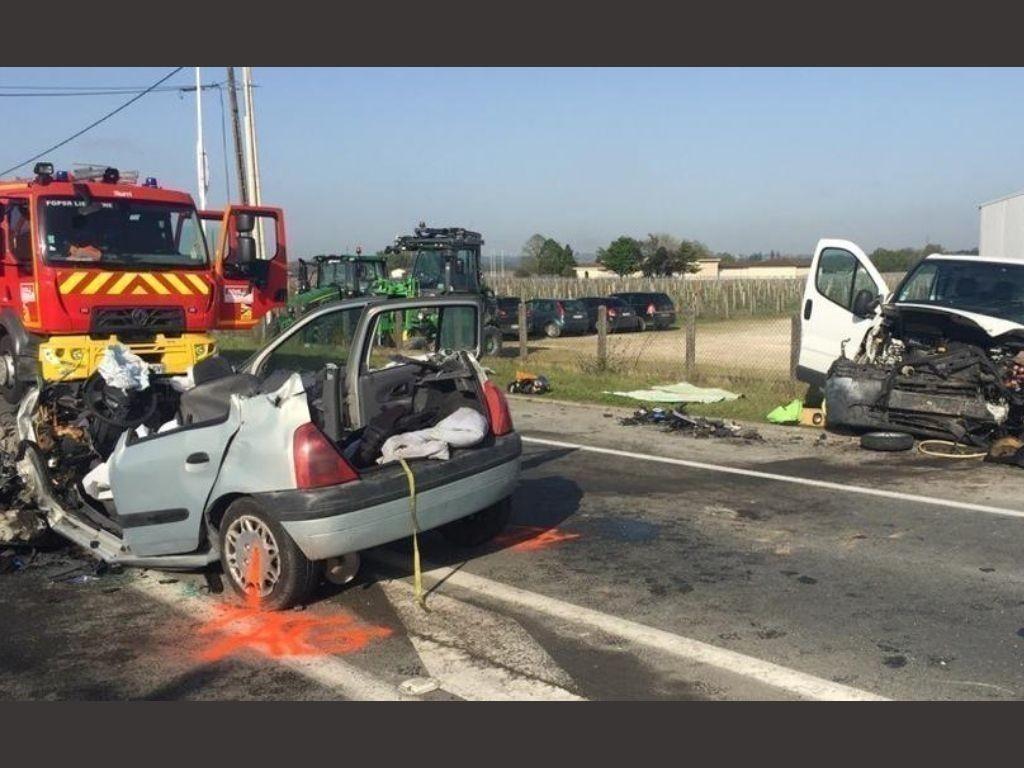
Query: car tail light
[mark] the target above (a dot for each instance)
(650, 309)
(317, 463)
(497, 409)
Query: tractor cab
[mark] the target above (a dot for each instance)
(445, 260)
(352, 275)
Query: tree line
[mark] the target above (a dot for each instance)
(902, 259)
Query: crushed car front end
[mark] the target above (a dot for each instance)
(944, 358)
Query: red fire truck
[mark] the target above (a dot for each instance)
(90, 258)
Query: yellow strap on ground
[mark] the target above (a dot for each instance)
(417, 573)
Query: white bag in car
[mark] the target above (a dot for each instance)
(462, 429)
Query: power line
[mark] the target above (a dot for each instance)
(109, 92)
(89, 127)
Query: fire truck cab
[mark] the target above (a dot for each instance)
(90, 258)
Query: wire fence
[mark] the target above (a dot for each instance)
(737, 334)
(746, 354)
(707, 299)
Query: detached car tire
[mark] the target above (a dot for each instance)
(478, 528)
(286, 575)
(887, 441)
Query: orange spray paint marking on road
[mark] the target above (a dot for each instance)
(240, 630)
(530, 538)
(253, 581)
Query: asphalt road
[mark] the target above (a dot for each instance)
(714, 569)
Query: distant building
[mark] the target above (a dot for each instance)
(1002, 228)
(706, 268)
(773, 269)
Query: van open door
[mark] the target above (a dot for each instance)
(834, 316)
(251, 263)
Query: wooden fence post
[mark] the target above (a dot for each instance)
(523, 336)
(691, 344)
(794, 345)
(602, 337)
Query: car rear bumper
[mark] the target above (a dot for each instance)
(575, 326)
(333, 521)
(663, 319)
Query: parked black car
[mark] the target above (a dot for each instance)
(621, 316)
(654, 310)
(507, 315)
(553, 317)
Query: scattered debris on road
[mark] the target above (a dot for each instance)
(677, 420)
(529, 384)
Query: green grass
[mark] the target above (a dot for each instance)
(570, 383)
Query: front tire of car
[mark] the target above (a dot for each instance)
(552, 330)
(479, 528)
(261, 562)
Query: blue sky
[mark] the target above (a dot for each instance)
(742, 159)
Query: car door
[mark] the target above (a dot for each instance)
(378, 381)
(161, 484)
(251, 263)
(839, 271)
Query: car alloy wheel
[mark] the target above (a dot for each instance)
(252, 555)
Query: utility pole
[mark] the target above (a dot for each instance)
(252, 154)
(202, 168)
(236, 127)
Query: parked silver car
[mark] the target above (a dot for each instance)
(273, 469)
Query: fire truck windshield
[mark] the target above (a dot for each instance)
(121, 233)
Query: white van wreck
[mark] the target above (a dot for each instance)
(940, 356)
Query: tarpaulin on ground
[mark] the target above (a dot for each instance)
(786, 414)
(683, 392)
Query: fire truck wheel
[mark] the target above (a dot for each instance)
(10, 387)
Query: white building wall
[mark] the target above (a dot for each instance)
(1002, 228)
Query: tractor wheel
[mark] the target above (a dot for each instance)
(492, 342)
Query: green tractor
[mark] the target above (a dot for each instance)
(446, 261)
(328, 278)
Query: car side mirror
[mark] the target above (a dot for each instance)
(244, 223)
(864, 303)
(245, 252)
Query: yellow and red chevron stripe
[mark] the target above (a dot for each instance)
(98, 283)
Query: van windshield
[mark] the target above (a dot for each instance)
(121, 232)
(985, 287)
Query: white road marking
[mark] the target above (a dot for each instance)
(329, 671)
(477, 654)
(790, 680)
(782, 478)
